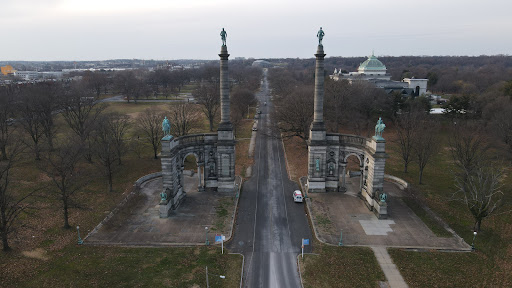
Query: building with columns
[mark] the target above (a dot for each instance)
(374, 71)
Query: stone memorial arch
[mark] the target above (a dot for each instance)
(328, 152)
(215, 152)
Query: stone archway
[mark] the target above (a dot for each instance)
(215, 154)
(192, 163)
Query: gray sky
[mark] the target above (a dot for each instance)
(186, 29)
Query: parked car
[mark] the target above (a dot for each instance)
(254, 128)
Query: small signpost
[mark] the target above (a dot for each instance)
(221, 239)
(304, 242)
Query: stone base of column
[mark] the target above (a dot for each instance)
(316, 186)
(380, 210)
(331, 186)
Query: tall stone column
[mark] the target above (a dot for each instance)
(225, 123)
(317, 144)
(318, 118)
(226, 139)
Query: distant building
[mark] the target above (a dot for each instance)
(27, 75)
(374, 71)
(7, 69)
(262, 64)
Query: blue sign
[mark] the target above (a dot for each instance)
(305, 241)
(220, 238)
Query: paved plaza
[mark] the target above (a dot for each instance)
(334, 213)
(138, 221)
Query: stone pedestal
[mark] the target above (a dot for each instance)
(381, 210)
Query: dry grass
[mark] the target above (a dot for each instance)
(297, 157)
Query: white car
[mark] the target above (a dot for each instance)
(297, 196)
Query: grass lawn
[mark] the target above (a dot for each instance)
(491, 265)
(341, 267)
(445, 269)
(84, 266)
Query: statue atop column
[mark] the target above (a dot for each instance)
(223, 35)
(320, 36)
(166, 127)
(379, 128)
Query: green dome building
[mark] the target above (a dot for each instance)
(372, 66)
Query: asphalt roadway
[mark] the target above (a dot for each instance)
(270, 225)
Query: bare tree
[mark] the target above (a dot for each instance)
(119, 125)
(208, 96)
(468, 146)
(30, 117)
(500, 119)
(50, 102)
(425, 144)
(12, 204)
(336, 93)
(149, 123)
(241, 99)
(294, 112)
(95, 81)
(107, 137)
(406, 125)
(183, 118)
(7, 96)
(480, 191)
(131, 84)
(81, 112)
(62, 166)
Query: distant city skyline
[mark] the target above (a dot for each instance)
(74, 30)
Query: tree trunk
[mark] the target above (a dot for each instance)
(5, 243)
(66, 222)
(421, 175)
(4, 153)
(210, 119)
(50, 142)
(36, 150)
(3, 231)
(110, 180)
(405, 167)
(478, 223)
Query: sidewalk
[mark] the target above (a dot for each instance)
(395, 280)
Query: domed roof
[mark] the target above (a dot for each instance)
(372, 63)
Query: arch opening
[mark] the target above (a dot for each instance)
(192, 173)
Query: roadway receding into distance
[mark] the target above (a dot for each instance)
(269, 225)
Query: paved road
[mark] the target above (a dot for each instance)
(270, 225)
(120, 98)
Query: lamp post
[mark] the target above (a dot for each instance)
(473, 243)
(80, 241)
(207, 242)
(207, 283)
(341, 238)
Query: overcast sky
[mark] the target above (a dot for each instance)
(189, 29)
